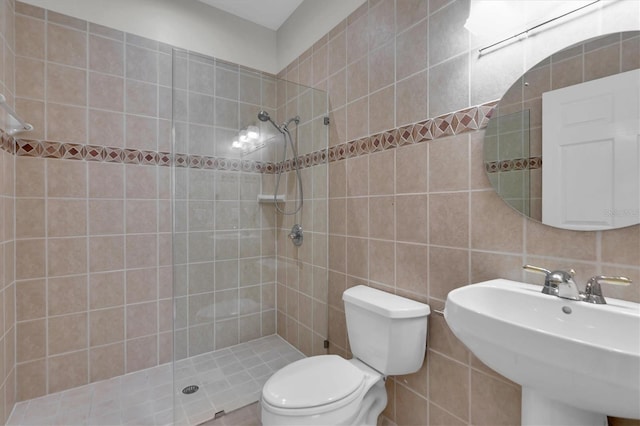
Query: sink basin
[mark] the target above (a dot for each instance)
(577, 362)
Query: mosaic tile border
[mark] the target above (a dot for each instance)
(72, 151)
(530, 163)
(466, 120)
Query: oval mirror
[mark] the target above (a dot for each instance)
(563, 145)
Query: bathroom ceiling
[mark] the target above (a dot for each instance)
(268, 13)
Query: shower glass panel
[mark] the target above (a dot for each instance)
(238, 281)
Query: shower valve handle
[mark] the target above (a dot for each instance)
(296, 235)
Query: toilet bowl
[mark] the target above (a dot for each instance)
(328, 390)
(387, 334)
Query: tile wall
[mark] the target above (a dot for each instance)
(420, 219)
(7, 230)
(93, 223)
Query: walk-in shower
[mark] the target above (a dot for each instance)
(234, 269)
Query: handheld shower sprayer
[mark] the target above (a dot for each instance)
(264, 116)
(284, 129)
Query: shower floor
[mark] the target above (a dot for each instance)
(228, 379)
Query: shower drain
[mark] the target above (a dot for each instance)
(190, 389)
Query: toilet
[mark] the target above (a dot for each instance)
(387, 334)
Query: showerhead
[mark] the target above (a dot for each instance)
(264, 116)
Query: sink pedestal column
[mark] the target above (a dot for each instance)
(538, 410)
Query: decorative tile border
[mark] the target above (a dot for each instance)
(530, 163)
(451, 124)
(72, 151)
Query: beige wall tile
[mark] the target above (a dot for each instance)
(67, 333)
(66, 178)
(30, 300)
(141, 182)
(412, 176)
(66, 123)
(622, 246)
(488, 233)
(337, 52)
(66, 46)
(67, 295)
(106, 253)
(31, 340)
(381, 69)
(66, 218)
(412, 268)
(106, 326)
(141, 353)
(66, 85)
(449, 219)
(106, 290)
(358, 217)
(68, 371)
(66, 256)
(438, 416)
(30, 36)
(357, 257)
(411, 49)
(412, 223)
(381, 105)
(141, 98)
(106, 217)
(448, 164)
(547, 241)
(31, 380)
(452, 392)
(411, 409)
(106, 180)
(106, 92)
(30, 80)
(106, 362)
(106, 55)
(106, 128)
(142, 285)
(142, 320)
(357, 119)
(30, 259)
(448, 269)
(30, 177)
(141, 216)
(494, 402)
(30, 218)
(411, 99)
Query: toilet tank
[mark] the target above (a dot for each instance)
(386, 332)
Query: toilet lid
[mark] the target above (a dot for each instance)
(312, 382)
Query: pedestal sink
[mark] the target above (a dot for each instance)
(577, 362)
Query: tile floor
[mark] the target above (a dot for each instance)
(245, 416)
(228, 379)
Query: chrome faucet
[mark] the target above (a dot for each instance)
(561, 284)
(557, 283)
(593, 291)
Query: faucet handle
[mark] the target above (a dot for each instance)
(593, 291)
(555, 280)
(536, 269)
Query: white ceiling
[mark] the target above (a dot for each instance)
(268, 13)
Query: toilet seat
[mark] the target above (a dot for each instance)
(319, 384)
